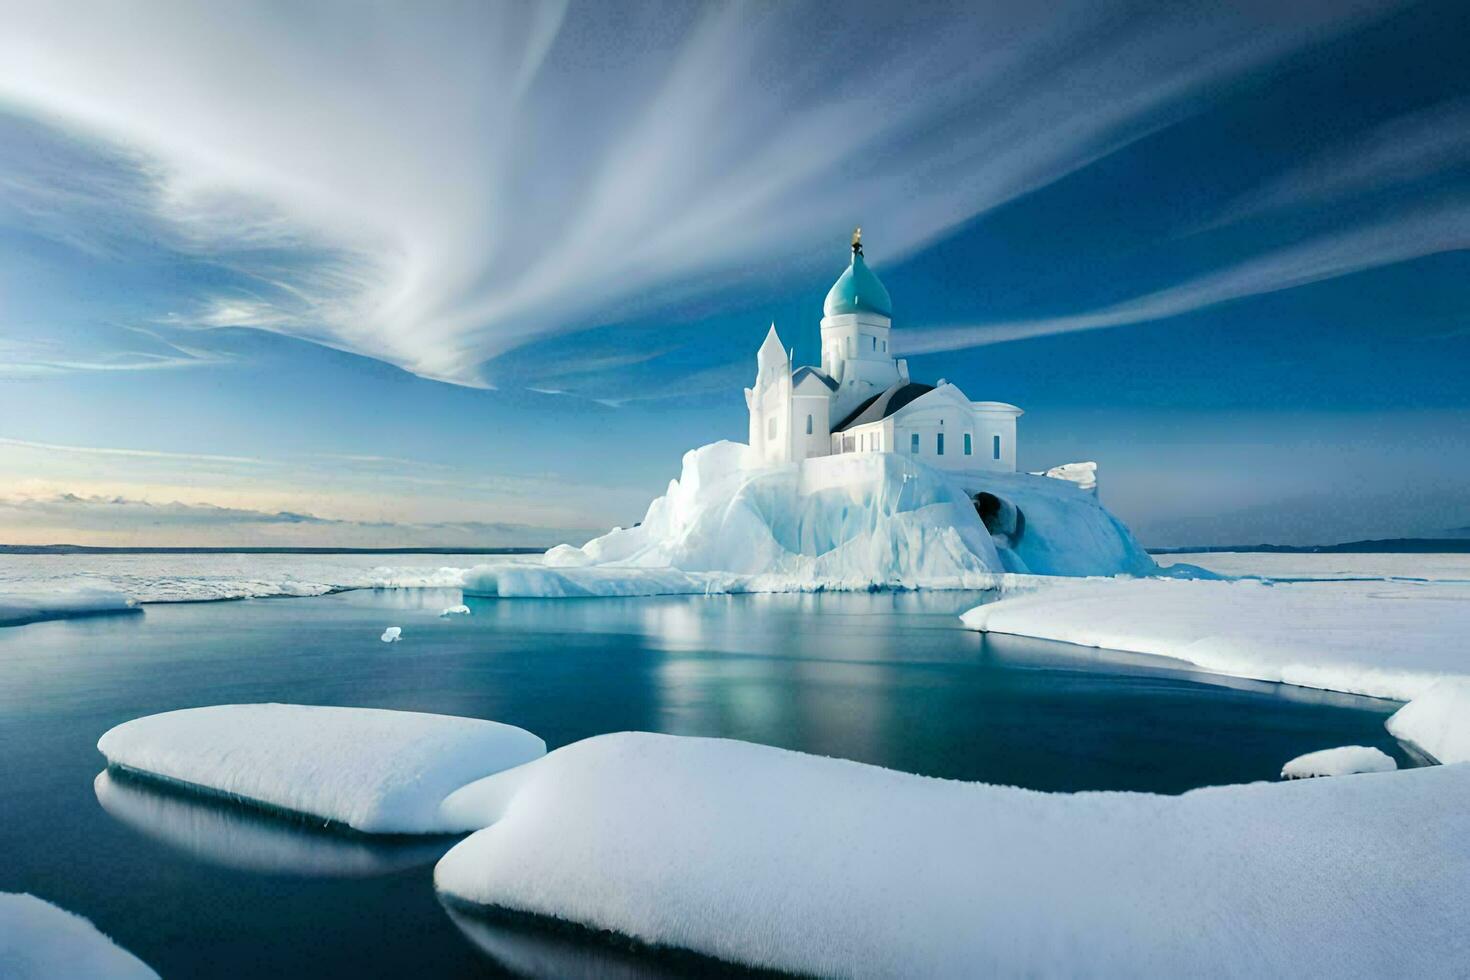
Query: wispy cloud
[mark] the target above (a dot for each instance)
(1397, 239)
(437, 189)
(151, 454)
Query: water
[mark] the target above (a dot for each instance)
(202, 889)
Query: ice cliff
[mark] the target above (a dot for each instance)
(848, 522)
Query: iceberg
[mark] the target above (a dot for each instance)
(392, 634)
(819, 866)
(370, 769)
(854, 521)
(19, 609)
(39, 941)
(1344, 760)
(459, 610)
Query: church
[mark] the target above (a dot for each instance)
(862, 400)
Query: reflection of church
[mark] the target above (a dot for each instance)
(861, 399)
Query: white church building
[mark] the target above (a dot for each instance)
(862, 400)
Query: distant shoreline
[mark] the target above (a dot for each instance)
(1408, 546)
(82, 549)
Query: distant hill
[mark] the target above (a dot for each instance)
(82, 549)
(1417, 546)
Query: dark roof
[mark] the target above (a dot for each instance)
(884, 404)
(800, 374)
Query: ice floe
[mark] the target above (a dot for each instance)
(1341, 761)
(392, 634)
(821, 866)
(1383, 639)
(39, 941)
(1437, 721)
(459, 610)
(848, 522)
(370, 769)
(19, 609)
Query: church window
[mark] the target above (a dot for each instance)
(967, 444)
(808, 425)
(914, 444)
(939, 444)
(875, 342)
(995, 446)
(885, 347)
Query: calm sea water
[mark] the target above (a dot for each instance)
(201, 889)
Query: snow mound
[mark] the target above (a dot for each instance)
(1437, 721)
(19, 609)
(1082, 474)
(855, 521)
(374, 770)
(460, 610)
(39, 941)
(1389, 640)
(826, 867)
(1341, 761)
(392, 634)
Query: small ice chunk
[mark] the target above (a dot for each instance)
(392, 634)
(1341, 761)
(375, 770)
(39, 941)
(460, 610)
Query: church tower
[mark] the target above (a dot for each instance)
(856, 322)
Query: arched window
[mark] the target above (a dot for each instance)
(808, 425)
(939, 444)
(967, 444)
(914, 444)
(995, 445)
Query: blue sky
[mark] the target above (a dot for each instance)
(478, 274)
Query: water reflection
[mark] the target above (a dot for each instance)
(529, 947)
(251, 840)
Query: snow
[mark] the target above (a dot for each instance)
(1383, 639)
(374, 770)
(1082, 474)
(1437, 721)
(822, 866)
(39, 941)
(459, 610)
(855, 521)
(1341, 761)
(392, 634)
(19, 609)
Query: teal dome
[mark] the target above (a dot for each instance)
(857, 290)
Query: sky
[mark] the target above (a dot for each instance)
(378, 274)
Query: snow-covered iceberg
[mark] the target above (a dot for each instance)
(19, 609)
(826, 867)
(855, 521)
(1345, 760)
(1438, 721)
(39, 941)
(370, 769)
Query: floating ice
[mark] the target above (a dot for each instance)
(39, 941)
(854, 521)
(1341, 761)
(1437, 721)
(392, 634)
(371, 769)
(460, 610)
(1384, 639)
(19, 609)
(821, 866)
